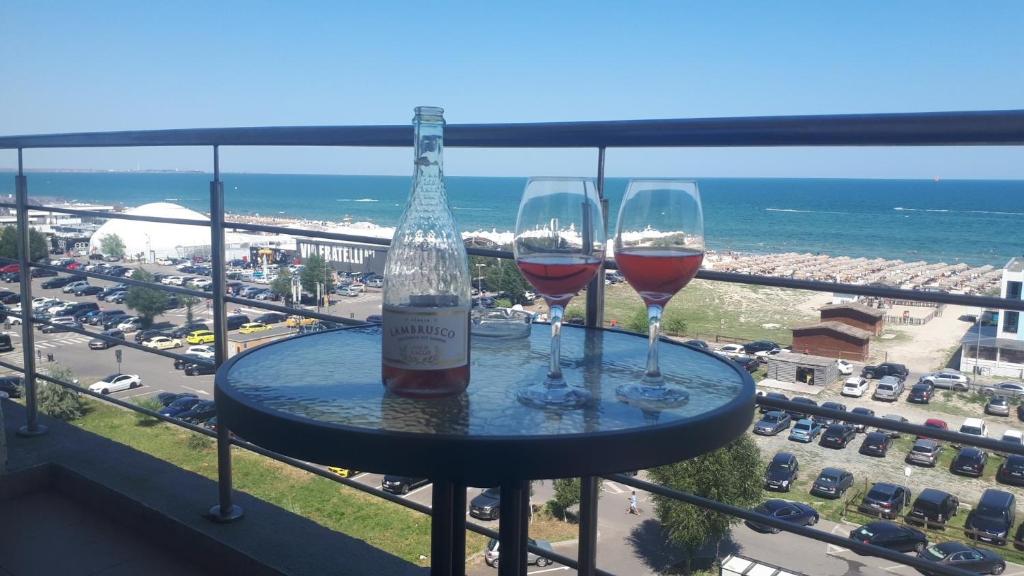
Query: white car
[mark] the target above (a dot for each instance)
(173, 280)
(844, 367)
(164, 261)
(130, 324)
(116, 382)
(856, 386)
(201, 283)
(44, 303)
(201, 350)
(732, 350)
(162, 343)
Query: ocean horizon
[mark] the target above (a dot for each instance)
(972, 221)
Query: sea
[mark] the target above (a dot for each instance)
(974, 221)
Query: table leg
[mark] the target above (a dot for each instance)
(448, 529)
(513, 531)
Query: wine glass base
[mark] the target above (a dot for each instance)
(652, 396)
(553, 395)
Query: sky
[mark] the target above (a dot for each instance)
(73, 66)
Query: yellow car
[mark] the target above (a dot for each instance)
(253, 327)
(343, 472)
(200, 337)
(296, 321)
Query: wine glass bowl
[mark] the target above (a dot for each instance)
(659, 246)
(558, 246)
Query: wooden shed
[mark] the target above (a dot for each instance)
(833, 340)
(856, 315)
(802, 369)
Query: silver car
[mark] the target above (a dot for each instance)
(950, 379)
(925, 452)
(889, 388)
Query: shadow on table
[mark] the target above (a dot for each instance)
(652, 548)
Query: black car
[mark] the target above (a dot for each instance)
(837, 436)
(964, 557)
(762, 346)
(101, 344)
(180, 406)
(772, 423)
(793, 512)
(115, 320)
(862, 412)
(143, 335)
(271, 318)
(486, 505)
(59, 281)
(832, 483)
(891, 536)
(166, 398)
(782, 471)
(1012, 471)
(188, 328)
(885, 500)
(5, 343)
(969, 461)
(801, 400)
(699, 344)
(201, 412)
(876, 444)
(885, 369)
(89, 290)
(197, 368)
(101, 318)
(933, 508)
(11, 386)
(748, 363)
(401, 484)
(826, 420)
(191, 358)
(776, 396)
(235, 321)
(41, 273)
(12, 298)
(921, 393)
(992, 518)
(110, 290)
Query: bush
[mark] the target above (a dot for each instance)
(199, 443)
(56, 400)
(149, 404)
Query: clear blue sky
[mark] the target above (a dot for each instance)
(71, 66)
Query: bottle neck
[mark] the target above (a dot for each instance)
(429, 146)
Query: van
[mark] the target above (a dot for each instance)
(933, 507)
(889, 388)
(992, 518)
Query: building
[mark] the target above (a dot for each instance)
(832, 339)
(856, 315)
(998, 350)
(802, 369)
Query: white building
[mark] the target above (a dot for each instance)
(997, 349)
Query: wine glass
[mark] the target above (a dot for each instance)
(559, 246)
(659, 246)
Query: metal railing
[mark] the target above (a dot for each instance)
(919, 129)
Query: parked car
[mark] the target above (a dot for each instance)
(58, 281)
(343, 472)
(885, 369)
(826, 420)
(199, 413)
(925, 452)
(762, 348)
(748, 363)
(493, 554)
(998, 406)
(271, 318)
(856, 386)
(1020, 412)
(832, 483)
(844, 367)
(876, 444)
(947, 379)
(890, 535)
(793, 512)
(782, 471)
(253, 327)
(200, 337)
(180, 406)
(199, 368)
(10, 386)
(801, 400)
(165, 398)
(402, 484)
(772, 423)
(116, 297)
(71, 287)
(974, 427)
(937, 423)
(894, 418)
(101, 344)
(861, 411)
(776, 396)
(1011, 436)
(486, 505)
(837, 436)
(805, 430)
(889, 388)
(730, 350)
(991, 520)
(191, 358)
(235, 321)
(699, 344)
(188, 328)
(969, 461)
(115, 383)
(964, 557)
(130, 324)
(60, 324)
(933, 508)
(885, 500)
(162, 343)
(1004, 388)
(921, 393)
(1011, 471)
(88, 290)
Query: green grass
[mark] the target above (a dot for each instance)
(387, 526)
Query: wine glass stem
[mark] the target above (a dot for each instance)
(653, 331)
(555, 368)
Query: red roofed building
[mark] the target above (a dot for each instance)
(856, 315)
(832, 339)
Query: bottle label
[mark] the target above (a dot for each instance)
(425, 338)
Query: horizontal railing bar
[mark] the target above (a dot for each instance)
(884, 423)
(805, 531)
(115, 215)
(987, 127)
(293, 311)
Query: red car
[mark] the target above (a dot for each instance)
(934, 423)
(73, 265)
(10, 268)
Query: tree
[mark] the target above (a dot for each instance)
(672, 321)
(315, 271)
(282, 285)
(727, 475)
(39, 246)
(500, 276)
(112, 245)
(147, 302)
(56, 400)
(567, 495)
(188, 301)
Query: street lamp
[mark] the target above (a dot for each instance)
(479, 278)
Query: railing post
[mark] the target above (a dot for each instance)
(590, 487)
(32, 426)
(595, 290)
(224, 511)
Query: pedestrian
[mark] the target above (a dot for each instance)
(633, 509)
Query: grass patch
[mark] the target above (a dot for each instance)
(390, 527)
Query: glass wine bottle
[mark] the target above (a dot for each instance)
(426, 303)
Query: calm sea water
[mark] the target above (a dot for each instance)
(975, 221)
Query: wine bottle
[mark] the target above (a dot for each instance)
(426, 303)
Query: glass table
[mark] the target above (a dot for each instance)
(319, 397)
